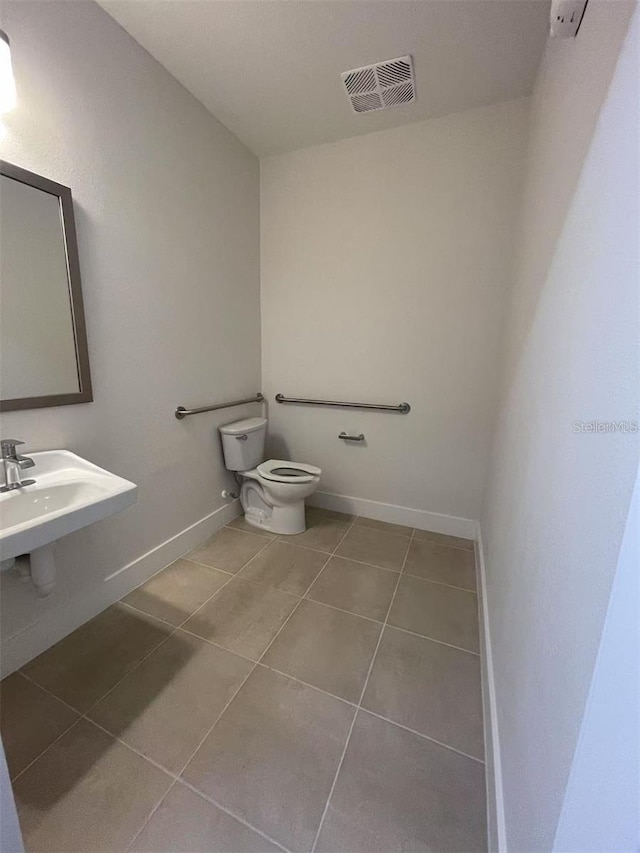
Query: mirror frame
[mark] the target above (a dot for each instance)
(85, 394)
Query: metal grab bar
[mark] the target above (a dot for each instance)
(403, 408)
(181, 412)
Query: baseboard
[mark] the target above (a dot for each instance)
(496, 830)
(36, 638)
(452, 525)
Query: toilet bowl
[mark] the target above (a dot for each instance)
(273, 491)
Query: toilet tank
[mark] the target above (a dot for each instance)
(243, 443)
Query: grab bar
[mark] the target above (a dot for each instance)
(181, 412)
(403, 408)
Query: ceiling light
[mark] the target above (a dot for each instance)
(7, 83)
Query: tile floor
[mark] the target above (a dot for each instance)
(313, 692)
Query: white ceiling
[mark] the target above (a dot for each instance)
(270, 69)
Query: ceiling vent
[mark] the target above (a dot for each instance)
(378, 87)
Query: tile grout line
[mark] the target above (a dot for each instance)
(178, 780)
(175, 628)
(228, 811)
(301, 599)
(178, 777)
(329, 557)
(308, 684)
(423, 736)
(195, 563)
(257, 663)
(84, 714)
(166, 639)
(395, 627)
(305, 596)
(266, 535)
(226, 583)
(48, 692)
(359, 705)
(62, 734)
(184, 621)
(433, 640)
(342, 610)
(360, 562)
(441, 583)
(252, 670)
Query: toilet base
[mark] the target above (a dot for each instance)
(287, 520)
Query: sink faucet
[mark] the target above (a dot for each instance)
(13, 464)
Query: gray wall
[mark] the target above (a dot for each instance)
(167, 212)
(557, 499)
(387, 260)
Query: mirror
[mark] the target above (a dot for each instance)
(44, 359)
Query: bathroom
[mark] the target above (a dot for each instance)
(467, 568)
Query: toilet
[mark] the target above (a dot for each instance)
(273, 492)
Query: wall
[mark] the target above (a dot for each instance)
(167, 214)
(557, 498)
(385, 261)
(600, 808)
(10, 835)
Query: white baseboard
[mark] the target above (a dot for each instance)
(452, 525)
(36, 638)
(496, 829)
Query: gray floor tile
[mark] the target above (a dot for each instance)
(430, 688)
(323, 533)
(313, 513)
(437, 611)
(366, 545)
(244, 617)
(273, 755)
(385, 526)
(361, 589)
(285, 566)
(229, 550)
(30, 721)
(454, 566)
(398, 792)
(241, 523)
(187, 823)
(167, 704)
(84, 665)
(87, 793)
(327, 648)
(176, 592)
(444, 539)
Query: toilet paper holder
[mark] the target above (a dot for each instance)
(345, 437)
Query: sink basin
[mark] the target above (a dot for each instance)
(69, 493)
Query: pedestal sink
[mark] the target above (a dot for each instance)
(68, 493)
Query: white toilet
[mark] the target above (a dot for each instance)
(273, 492)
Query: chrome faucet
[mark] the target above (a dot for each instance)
(13, 464)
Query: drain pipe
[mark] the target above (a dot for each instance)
(39, 567)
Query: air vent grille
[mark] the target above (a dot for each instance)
(360, 81)
(380, 86)
(366, 103)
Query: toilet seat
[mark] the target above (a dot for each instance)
(283, 471)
